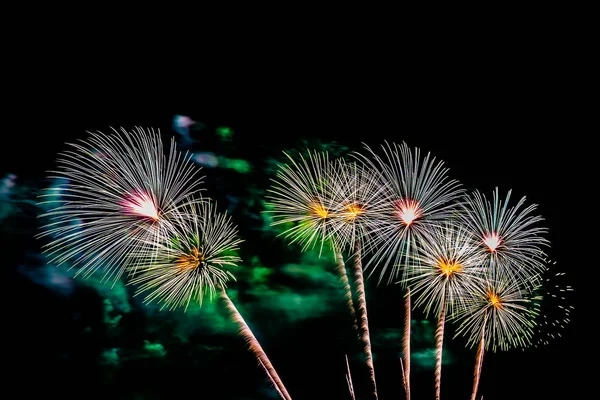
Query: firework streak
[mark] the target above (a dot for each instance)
(349, 380)
(253, 343)
(364, 321)
(439, 341)
(479, 362)
(406, 366)
(341, 269)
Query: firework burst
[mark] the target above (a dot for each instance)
(193, 262)
(417, 197)
(501, 311)
(497, 314)
(301, 196)
(356, 193)
(509, 237)
(447, 266)
(117, 192)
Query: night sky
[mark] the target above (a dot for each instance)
(505, 130)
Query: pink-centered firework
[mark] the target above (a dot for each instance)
(510, 237)
(417, 196)
(118, 192)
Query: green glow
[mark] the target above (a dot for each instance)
(426, 358)
(321, 296)
(155, 349)
(110, 357)
(224, 132)
(237, 164)
(110, 321)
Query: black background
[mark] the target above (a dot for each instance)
(510, 119)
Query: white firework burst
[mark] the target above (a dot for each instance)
(117, 192)
(301, 199)
(417, 197)
(445, 267)
(193, 261)
(356, 193)
(502, 311)
(510, 237)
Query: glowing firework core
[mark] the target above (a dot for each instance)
(492, 241)
(141, 204)
(495, 300)
(319, 210)
(190, 261)
(353, 211)
(408, 211)
(449, 268)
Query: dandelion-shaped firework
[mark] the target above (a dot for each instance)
(510, 237)
(356, 192)
(301, 196)
(418, 195)
(117, 193)
(497, 314)
(446, 266)
(310, 195)
(193, 262)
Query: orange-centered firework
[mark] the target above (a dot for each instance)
(353, 210)
(408, 211)
(492, 241)
(190, 261)
(448, 268)
(319, 210)
(495, 300)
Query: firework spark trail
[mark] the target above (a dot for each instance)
(364, 321)
(479, 362)
(349, 379)
(439, 341)
(341, 269)
(403, 374)
(406, 346)
(253, 343)
(271, 379)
